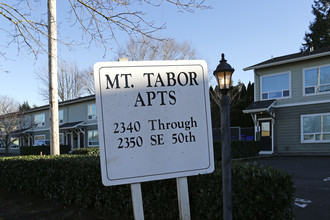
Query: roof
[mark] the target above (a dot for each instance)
(291, 58)
(70, 125)
(64, 103)
(19, 131)
(260, 106)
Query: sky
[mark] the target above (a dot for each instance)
(247, 32)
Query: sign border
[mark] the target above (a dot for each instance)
(102, 65)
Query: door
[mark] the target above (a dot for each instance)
(266, 135)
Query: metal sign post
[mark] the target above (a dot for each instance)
(183, 198)
(137, 201)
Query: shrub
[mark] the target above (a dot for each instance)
(87, 151)
(268, 192)
(239, 149)
(258, 192)
(35, 150)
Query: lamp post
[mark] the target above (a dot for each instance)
(223, 75)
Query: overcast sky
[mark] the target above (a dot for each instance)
(248, 32)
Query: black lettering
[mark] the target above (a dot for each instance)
(139, 99)
(151, 96)
(160, 139)
(193, 76)
(170, 79)
(112, 83)
(153, 140)
(183, 81)
(159, 79)
(157, 139)
(148, 74)
(152, 124)
(193, 122)
(126, 79)
(172, 97)
(162, 96)
(115, 82)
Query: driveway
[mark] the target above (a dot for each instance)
(311, 175)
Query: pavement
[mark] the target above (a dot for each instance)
(311, 175)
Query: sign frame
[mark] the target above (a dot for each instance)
(116, 82)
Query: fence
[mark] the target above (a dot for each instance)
(237, 133)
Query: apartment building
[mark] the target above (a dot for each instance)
(77, 125)
(291, 111)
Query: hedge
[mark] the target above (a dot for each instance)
(36, 150)
(258, 192)
(87, 151)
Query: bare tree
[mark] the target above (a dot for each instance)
(88, 81)
(95, 19)
(99, 21)
(10, 120)
(151, 49)
(72, 83)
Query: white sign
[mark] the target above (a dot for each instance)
(154, 120)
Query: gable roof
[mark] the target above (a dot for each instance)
(260, 106)
(70, 125)
(291, 58)
(61, 104)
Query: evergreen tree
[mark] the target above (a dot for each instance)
(24, 106)
(319, 30)
(215, 109)
(240, 97)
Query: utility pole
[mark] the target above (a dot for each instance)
(53, 84)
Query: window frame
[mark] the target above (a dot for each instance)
(275, 74)
(315, 133)
(93, 116)
(14, 143)
(88, 140)
(304, 81)
(39, 124)
(39, 135)
(61, 113)
(63, 142)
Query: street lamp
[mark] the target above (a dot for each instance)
(223, 74)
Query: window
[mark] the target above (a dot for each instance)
(315, 128)
(14, 143)
(92, 111)
(93, 138)
(61, 138)
(39, 139)
(317, 80)
(2, 144)
(39, 120)
(275, 86)
(60, 116)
